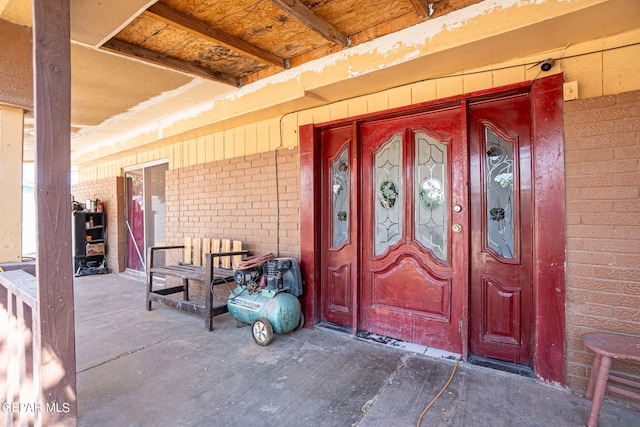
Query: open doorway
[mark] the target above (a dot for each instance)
(144, 211)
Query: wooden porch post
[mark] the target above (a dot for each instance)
(11, 137)
(54, 271)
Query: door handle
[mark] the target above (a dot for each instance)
(457, 228)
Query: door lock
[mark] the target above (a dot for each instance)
(457, 208)
(456, 228)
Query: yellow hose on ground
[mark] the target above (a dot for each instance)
(440, 393)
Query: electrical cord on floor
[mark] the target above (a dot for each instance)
(455, 367)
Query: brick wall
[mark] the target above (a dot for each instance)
(236, 199)
(111, 191)
(602, 142)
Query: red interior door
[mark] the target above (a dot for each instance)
(339, 224)
(502, 230)
(134, 220)
(414, 193)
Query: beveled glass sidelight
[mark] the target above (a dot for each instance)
(340, 199)
(388, 201)
(499, 174)
(431, 198)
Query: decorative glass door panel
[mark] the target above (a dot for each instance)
(500, 173)
(412, 264)
(431, 194)
(341, 198)
(388, 185)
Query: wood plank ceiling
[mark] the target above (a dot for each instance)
(238, 42)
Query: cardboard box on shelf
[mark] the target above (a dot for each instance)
(95, 249)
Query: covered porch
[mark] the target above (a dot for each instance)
(160, 368)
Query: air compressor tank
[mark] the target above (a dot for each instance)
(273, 308)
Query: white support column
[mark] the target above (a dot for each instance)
(11, 138)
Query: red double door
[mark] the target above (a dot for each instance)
(427, 227)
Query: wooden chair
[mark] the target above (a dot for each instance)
(607, 347)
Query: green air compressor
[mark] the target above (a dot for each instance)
(266, 296)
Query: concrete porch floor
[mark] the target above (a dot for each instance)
(160, 368)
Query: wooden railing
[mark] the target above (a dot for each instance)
(20, 383)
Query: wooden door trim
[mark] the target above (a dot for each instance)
(549, 348)
(310, 221)
(356, 152)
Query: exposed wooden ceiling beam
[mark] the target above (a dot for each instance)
(186, 23)
(422, 7)
(435, 8)
(309, 19)
(167, 61)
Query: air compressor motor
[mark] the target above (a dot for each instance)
(266, 296)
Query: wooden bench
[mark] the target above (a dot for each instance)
(607, 347)
(211, 261)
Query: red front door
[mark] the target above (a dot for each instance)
(427, 228)
(414, 194)
(438, 224)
